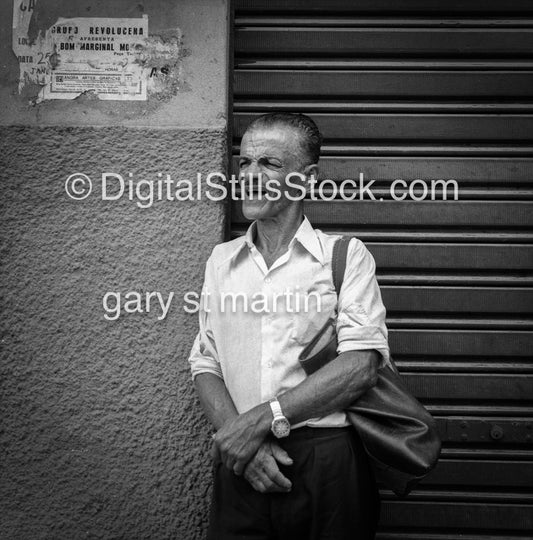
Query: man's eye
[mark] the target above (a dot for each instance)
(242, 164)
(274, 164)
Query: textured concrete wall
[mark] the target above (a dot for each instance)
(101, 434)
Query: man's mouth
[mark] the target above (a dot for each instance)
(255, 190)
(254, 195)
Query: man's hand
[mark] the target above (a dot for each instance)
(239, 438)
(263, 473)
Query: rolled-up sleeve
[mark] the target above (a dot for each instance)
(203, 357)
(361, 313)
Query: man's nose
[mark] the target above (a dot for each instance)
(251, 172)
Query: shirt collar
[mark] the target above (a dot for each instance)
(308, 238)
(249, 236)
(305, 235)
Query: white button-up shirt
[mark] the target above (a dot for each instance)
(255, 321)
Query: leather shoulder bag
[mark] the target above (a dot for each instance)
(398, 433)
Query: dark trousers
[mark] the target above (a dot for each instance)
(333, 496)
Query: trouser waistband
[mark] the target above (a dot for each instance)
(307, 432)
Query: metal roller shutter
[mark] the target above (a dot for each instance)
(432, 90)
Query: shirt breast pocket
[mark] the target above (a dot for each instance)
(309, 319)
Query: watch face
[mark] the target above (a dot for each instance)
(281, 427)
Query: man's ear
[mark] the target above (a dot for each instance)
(311, 171)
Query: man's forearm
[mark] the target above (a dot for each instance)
(331, 388)
(215, 399)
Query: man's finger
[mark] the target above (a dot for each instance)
(238, 467)
(271, 470)
(259, 486)
(280, 455)
(262, 483)
(252, 476)
(229, 463)
(215, 452)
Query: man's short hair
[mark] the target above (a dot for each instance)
(310, 138)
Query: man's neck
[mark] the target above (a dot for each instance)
(273, 235)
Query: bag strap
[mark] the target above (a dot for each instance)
(338, 261)
(338, 266)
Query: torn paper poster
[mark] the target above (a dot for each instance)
(97, 55)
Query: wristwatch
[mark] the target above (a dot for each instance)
(280, 425)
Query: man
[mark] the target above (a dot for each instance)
(310, 480)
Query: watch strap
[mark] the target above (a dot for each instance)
(276, 408)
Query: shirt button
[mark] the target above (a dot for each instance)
(267, 280)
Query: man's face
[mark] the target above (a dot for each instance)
(269, 154)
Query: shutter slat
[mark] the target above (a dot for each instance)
(483, 170)
(457, 515)
(382, 6)
(452, 256)
(504, 474)
(336, 41)
(473, 386)
(448, 535)
(481, 343)
(458, 299)
(392, 22)
(427, 127)
(300, 84)
(412, 213)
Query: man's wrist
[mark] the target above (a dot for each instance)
(265, 417)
